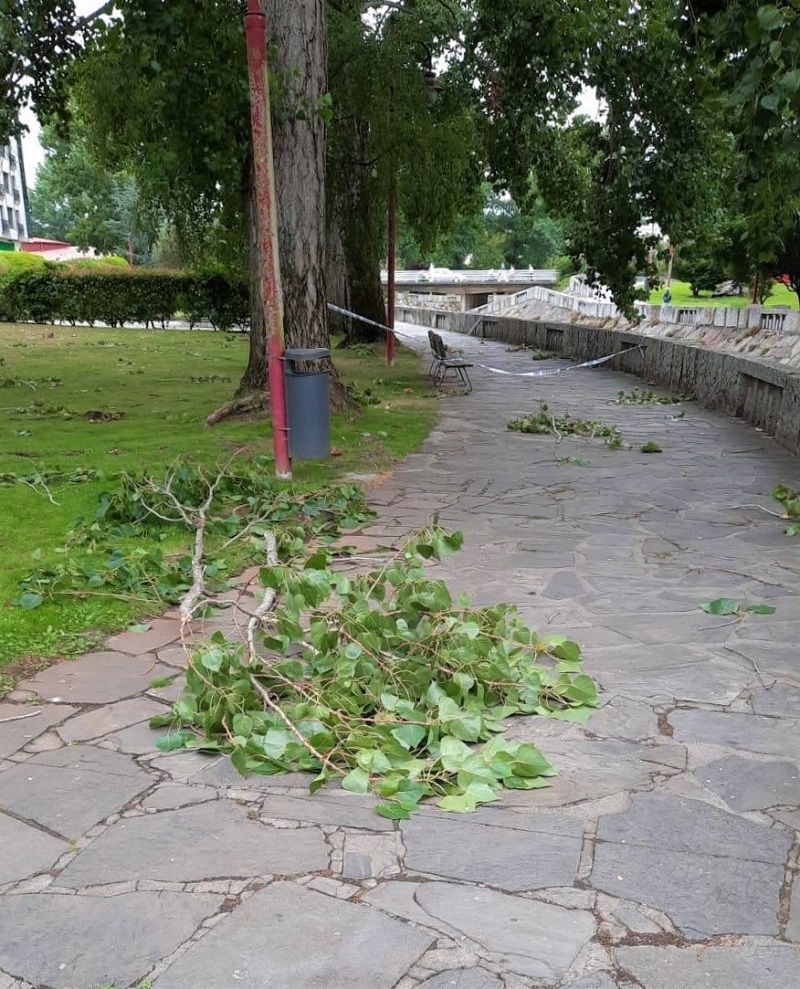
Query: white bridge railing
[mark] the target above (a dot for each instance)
(475, 276)
(751, 317)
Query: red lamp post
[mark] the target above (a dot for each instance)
(255, 25)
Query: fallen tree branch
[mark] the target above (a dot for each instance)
(271, 548)
(192, 597)
(20, 717)
(239, 406)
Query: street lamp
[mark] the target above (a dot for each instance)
(433, 87)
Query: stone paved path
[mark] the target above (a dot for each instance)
(663, 856)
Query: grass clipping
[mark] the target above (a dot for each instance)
(384, 682)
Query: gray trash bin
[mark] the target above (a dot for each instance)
(308, 405)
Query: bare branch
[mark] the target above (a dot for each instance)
(20, 717)
(268, 600)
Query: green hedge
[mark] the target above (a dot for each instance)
(117, 296)
(14, 262)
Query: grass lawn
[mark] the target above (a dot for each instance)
(164, 383)
(682, 296)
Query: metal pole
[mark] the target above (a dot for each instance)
(391, 250)
(255, 25)
(390, 265)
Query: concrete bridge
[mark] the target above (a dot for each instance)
(472, 286)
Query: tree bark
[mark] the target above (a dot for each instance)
(298, 32)
(256, 374)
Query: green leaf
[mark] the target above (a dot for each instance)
(356, 781)
(319, 561)
(242, 725)
(525, 783)
(769, 18)
(239, 760)
(409, 736)
(459, 803)
(393, 811)
(482, 792)
(529, 761)
(791, 81)
(317, 783)
(578, 715)
(168, 743)
(761, 609)
(162, 721)
(721, 606)
(212, 659)
(30, 600)
(467, 726)
(140, 629)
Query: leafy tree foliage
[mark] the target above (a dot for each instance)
(394, 123)
(497, 234)
(644, 160)
(77, 200)
(36, 38)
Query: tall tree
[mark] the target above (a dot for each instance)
(644, 159)
(395, 123)
(164, 91)
(75, 199)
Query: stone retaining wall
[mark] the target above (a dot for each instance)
(760, 391)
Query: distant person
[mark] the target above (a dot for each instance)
(667, 297)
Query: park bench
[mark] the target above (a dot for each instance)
(442, 362)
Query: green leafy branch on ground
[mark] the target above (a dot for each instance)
(728, 607)
(646, 396)
(104, 555)
(789, 498)
(546, 423)
(32, 383)
(81, 475)
(41, 410)
(385, 683)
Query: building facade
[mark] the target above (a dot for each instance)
(13, 197)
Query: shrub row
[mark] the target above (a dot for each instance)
(118, 296)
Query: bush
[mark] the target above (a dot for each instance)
(115, 294)
(13, 262)
(97, 264)
(215, 296)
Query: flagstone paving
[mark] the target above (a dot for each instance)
(665, 854)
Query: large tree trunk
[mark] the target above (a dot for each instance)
(298, 33)
(256, 375)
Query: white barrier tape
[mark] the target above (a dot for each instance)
(540, 373)
(370, 322)
(550, 371)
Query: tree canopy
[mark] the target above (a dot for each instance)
(682, 87)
